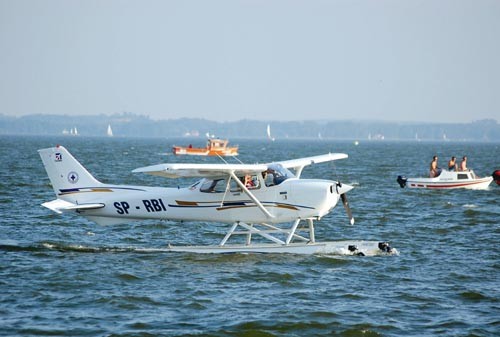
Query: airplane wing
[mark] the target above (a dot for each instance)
(312, 160)
(200, 170)
(300, 163)
(178, 170)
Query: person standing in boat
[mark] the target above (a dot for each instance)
(452, 164)
(434, 170)
(463, 164)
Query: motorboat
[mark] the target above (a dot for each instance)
(448, 180)
(215, 147)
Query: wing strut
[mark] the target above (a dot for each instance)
(225, 191)
(251, 196)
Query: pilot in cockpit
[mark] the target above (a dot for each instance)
(276, 174)
(268, 177)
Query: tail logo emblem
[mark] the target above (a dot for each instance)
(58, 156)
(73, 177)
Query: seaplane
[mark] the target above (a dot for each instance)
(269, 208)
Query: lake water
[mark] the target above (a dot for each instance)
(66, 276)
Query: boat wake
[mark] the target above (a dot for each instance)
(89, 249)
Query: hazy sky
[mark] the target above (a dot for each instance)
(428, 60)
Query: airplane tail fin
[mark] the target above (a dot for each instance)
(66, 174)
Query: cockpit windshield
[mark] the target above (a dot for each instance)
(276, 174)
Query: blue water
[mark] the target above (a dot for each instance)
(66, 276)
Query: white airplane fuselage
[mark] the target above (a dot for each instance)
(292, 199)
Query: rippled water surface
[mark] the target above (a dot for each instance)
(66, 276)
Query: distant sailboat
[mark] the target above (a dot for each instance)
(72, 132)
(109, 132)
(269, 133)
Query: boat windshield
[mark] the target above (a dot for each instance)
(276, 174)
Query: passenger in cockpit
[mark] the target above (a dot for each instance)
(249, 183)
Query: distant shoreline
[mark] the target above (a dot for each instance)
(139, 126)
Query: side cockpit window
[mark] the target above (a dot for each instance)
(213, 186)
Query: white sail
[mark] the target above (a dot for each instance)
(109, 132)
(269, 133)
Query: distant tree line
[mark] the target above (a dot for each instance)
(132, 125)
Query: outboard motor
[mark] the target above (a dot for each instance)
(496, 176)
(402, 181)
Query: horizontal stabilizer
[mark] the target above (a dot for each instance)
(60, 205)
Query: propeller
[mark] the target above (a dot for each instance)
(347, 208)
(341, 190)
